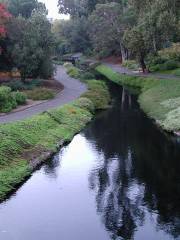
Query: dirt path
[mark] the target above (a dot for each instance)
(118, 68)
(72, 90)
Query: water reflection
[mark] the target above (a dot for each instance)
(139, 175)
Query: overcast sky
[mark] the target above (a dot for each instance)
(51, 5)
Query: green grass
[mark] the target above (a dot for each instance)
(159, 98)
(22, 140)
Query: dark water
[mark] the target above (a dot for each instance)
(118, 179)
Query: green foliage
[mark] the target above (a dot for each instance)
(7, 101)
(87, 76)
(159, 98)
(31, 50)
(19, 97)
(169, 65)
(11, 176)
(171, 122)
(73, 72)
(24, 7)
(23, 139)
(40, 94)
(85, 103)
(98, 93)
(131, 64)
(177, 72)
(171, 53)
(16, 85)
(105, 29)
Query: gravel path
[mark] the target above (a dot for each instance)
(72, 90)
(118, 68)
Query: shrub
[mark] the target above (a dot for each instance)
(19, 97)
(16, 85)
(7, 101)
(131, 64)
(68, 65)
(40, 94)
(169, 65)
(73, 72)
(87, 76)
(98, 93)
(177, 72)
(171, 123)
(172, 52)
(85, 103)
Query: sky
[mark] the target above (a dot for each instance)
(51, 5)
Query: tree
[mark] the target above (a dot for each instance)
(107, 28)
(23, 7)
(31, 50)
(4, 17)
(133, 39)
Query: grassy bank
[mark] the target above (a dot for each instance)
(159, 98)
(26, 144)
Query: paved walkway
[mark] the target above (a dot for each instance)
(118, 68)
(72, 90)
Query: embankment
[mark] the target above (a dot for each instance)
(158, 98)
(26, 144)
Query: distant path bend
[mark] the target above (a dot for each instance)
(73, 89)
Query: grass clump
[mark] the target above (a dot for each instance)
(98, 93)
(40, 94)
(159, 98)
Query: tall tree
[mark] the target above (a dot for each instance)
(107, 29)
(31, 50)
(23, 7)
(4, 17)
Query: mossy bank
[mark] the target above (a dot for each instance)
(26, 144)
(158, 98)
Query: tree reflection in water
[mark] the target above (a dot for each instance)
(138, 171)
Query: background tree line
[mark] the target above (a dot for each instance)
(127, 28)
(26, 41)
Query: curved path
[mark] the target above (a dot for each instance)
(118, 68)
(72, 90)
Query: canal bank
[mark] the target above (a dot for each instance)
(27, 144)
(158, 98)
(117, 179)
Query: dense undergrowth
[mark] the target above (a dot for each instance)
(24, 140)
(159, 98)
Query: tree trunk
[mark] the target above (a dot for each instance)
(143, 65)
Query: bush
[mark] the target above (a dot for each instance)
(40, 94)
(169, 65)
(7, 101)
(85, 103)
(171, 123)
(16, 85)
(98, 93)
(177, 72)
(172, 53)
(68, 65)
(73, 72)
(19, 97)
(87, 76)
(131, 64)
